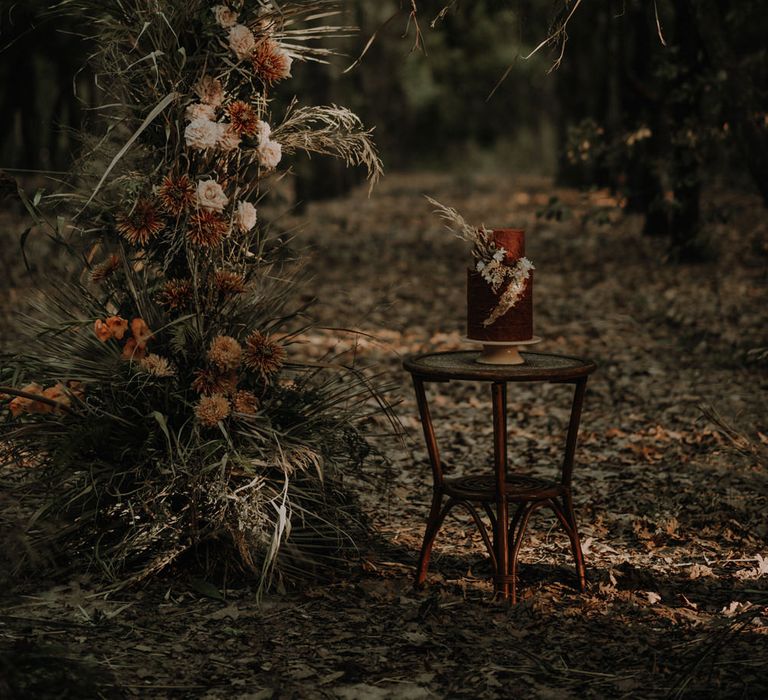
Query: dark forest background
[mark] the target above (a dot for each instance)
(654, 100)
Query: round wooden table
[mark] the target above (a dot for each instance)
(501, 487)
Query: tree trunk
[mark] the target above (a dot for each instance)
(751, 136)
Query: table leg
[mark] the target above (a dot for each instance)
(436, 511)
(501, 534)
(570, 451)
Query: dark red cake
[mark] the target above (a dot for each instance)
(517, 323)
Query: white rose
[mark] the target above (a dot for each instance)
(210, 195)
(245, 216)
(241, 41)
(202, 133)
(225, 17)
(270, 153)
(263, 131)
(229, 140)
(200, 111)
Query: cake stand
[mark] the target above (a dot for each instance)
(502, 352)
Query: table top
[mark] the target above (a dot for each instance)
(461, 364)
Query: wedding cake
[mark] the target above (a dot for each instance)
(500, 291)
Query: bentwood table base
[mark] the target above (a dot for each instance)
(502, 488)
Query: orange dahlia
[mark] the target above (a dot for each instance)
(225, 353)
(210, 381)
(106, 269)
(176, 294)
(243, 118)
(245, 402)
(263, 355)
(228, 284)
(271, 63)
(141, 224)
(206, 228)
(212, 409)
(177, 194)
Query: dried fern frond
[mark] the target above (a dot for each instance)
(332, 130)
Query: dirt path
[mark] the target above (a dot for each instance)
(672, 518)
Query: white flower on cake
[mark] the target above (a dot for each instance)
(270, 153)
(245, 216)
(200, 110)
(202, 134)
(518, 276)
(210, 90)
(241, 41)
(211, 196)
(225, 17)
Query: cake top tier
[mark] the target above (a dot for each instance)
(512, 240)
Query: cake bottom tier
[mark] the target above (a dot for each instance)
(515, 325)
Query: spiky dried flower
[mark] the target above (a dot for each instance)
(263, 355)
(228, 284)
(225, 353)
(243, 118)
(211, 381)
(210, 90)
(212, 409)
(270, 62)
(175, 294)
(206, 228)
(245, 402)
(157, 366)
(106, 269)
(141, 224)
(177, 194)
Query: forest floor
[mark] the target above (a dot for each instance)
(671, 483)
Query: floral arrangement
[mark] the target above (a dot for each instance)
(489, 261)
(157, 397)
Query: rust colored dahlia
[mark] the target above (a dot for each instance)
(211, 381)
(263, 355)
(206, 228)
(106, 269)
(270, 63)
(228, 284)
(245, 402)
(212, 409)
(141, 224)
(225, 353)
(243, 118)
(177, 194)
(175, 294)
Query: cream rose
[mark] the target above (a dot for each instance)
(270, 153)
(225, 17)
(263, 131)
(210, 195)
(200, 111)
(202, 134)
(229, 140)
(245, 216)
(241, 41)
